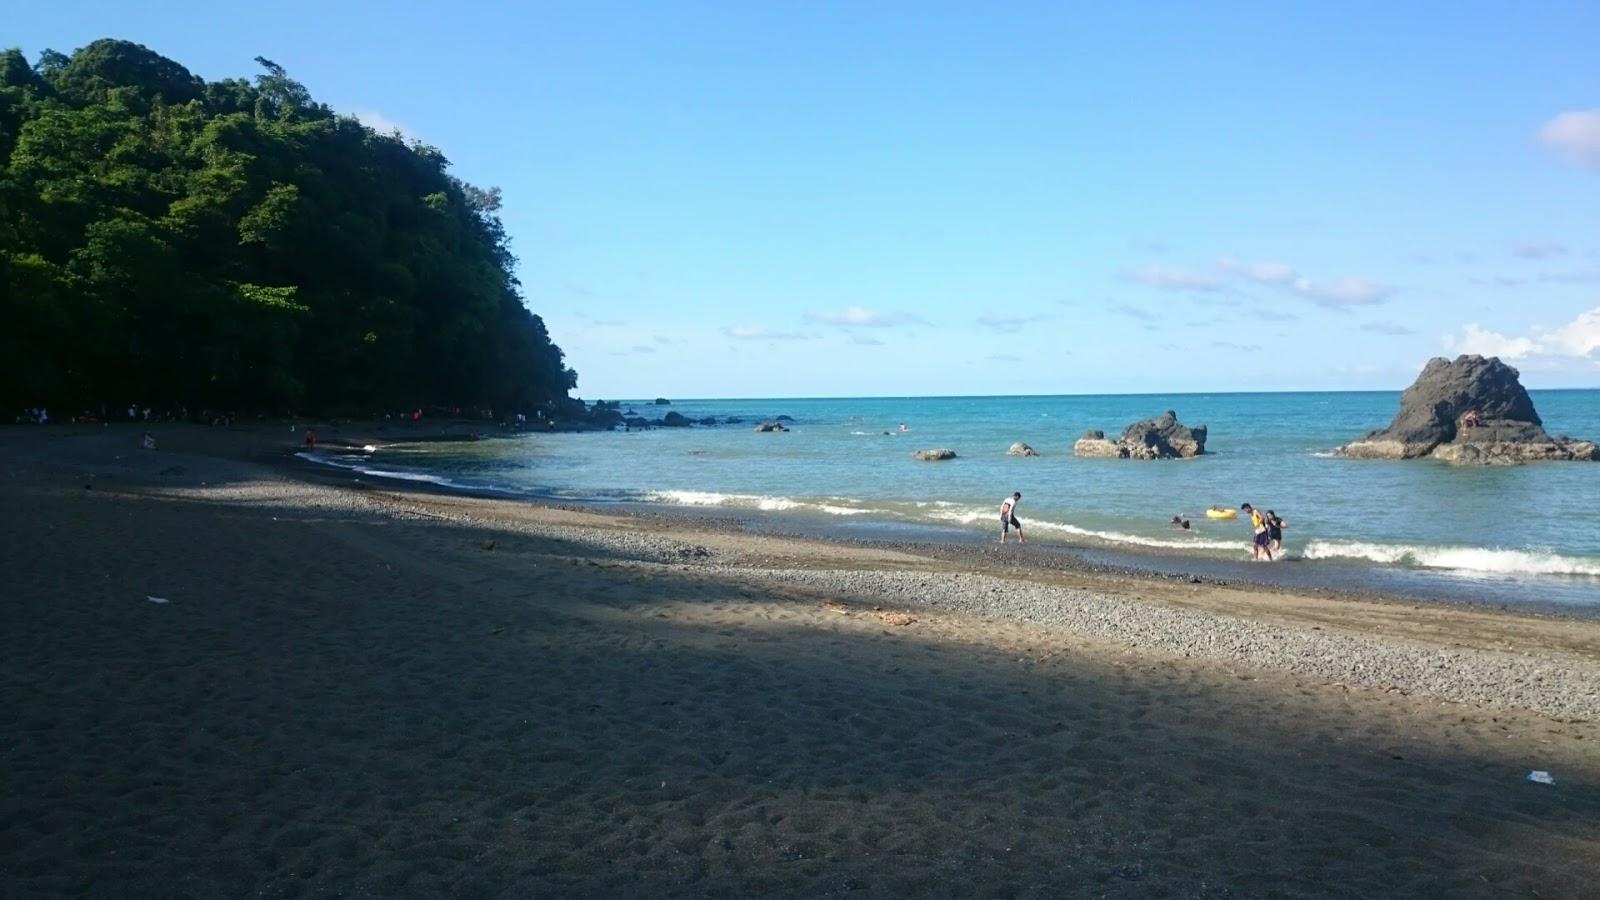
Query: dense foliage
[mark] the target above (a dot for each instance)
(236, 245)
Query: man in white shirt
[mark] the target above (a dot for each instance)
(1008, 517)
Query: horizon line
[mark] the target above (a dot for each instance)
(650, 400)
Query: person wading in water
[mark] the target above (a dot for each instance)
(1008, 517)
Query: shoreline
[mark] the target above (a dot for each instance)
(260, 443)
(373, 689)
(1335, 579)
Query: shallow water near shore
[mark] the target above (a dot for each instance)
(1524, 534)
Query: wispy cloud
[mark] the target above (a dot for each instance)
(1134, 312)
(1259, 272)
(865, 341)
(860, 317)
(1174, 278)
(1338, 293)
(1575, 137)
(1351, 290)
(1511, 281)
(643, 348)
(1579, 338)
(589, 320)
(1238, 348)
(1003, 357)
(1011, 324)
(1538, 249)
(758, 333)
(382, 124)
(1390, 328)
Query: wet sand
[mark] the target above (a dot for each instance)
(362, 691)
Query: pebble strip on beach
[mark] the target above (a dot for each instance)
(1558, 686)
(1554, 684)
(1562, 686)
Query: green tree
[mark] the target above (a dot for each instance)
(235, 244)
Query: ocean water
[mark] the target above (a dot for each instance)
(1529, 532)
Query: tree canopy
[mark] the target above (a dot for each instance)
(235, 244)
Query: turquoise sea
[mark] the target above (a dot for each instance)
(1521, 533)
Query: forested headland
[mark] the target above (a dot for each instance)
(233, 244)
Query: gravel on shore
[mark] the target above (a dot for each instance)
(1554, 685)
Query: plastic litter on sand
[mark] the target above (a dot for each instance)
(1542, 777)
(155, 599)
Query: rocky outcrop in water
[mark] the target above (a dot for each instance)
(771, 426)
(1021, 449)
(1471, 410)
(934, 455)
(676, 420)
(1159, 437)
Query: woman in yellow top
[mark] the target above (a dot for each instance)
(1258, 524)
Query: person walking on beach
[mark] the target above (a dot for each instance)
(1275, 527)
(1258, 527)
(1008, 517)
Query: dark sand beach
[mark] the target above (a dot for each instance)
(354, 690)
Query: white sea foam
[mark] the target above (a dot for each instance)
(972, 515)
(753, 501)
(359, 464)
(1479, 560)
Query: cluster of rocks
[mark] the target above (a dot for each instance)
(1160, 437)
(607, 416)
(934, 455)
(1021, 449)
(1470, 410)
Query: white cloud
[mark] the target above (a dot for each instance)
(859, 317)
(382, 124)
(1003, 357)
(1476, 339)
(865, 341)
(643, 348)
(1011, 324)
(1539, 249)
(1351, 290)
(1260, 272)
(1575, 136)
(757, 333)
(1172, 278)
(1580, 337)
(1577, 339)
(1134, 312)
(1392, 328)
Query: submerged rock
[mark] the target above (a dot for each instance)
(1021, 449)
(934, 455)
(1158, 437)
(1472, 410)
(771, 426)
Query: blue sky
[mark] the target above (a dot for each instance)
(807, 199)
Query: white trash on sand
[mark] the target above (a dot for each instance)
(1541, 777)
(155, 599)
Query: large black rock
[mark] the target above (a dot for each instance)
(1158, 437)
(1469, 410)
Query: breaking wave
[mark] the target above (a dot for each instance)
(1483, 560)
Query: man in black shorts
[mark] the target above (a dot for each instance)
(1008, 517)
